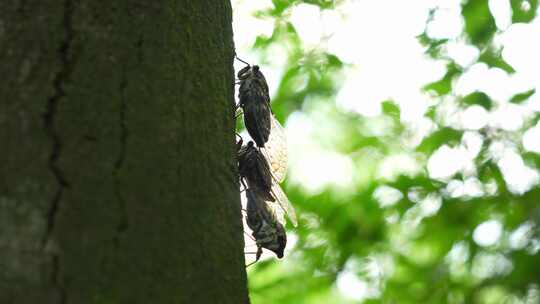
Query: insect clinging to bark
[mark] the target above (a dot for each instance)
(255, 103)
(262, 164)
(254, 169)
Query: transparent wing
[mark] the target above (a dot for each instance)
(284, 205)
(277, 213)
(275, 150)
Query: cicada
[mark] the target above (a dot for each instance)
(254, 168)
(255, 103)
(266, 225)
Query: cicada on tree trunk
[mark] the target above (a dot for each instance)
(255, 103)
(262, 169)
(254, 169)
(266, 205)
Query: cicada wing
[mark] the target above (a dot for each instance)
(275, 151)
(277, 212)
(284, 203)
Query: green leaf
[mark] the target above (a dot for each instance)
(521, 97)
(479, 23)
(488, 171)
(523, 10)
(280, 6)
(391, 109)
(444, 85)
(431, 112)
(438, 138)
(262, 42)
(323, 4)
(532, 159)
(434, 46)
(290, 28)
(287, 90)
(334, 61)
(494, 59)
(478, 98)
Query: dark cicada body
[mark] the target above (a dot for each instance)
(255, 102)
(254, 168)
(267, 229)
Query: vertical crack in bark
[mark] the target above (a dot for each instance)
(49, 118)
(123, 225)
(62, 294)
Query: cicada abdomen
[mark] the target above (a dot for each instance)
(267, 228)
(254, 169)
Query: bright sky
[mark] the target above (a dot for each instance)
(379, 39)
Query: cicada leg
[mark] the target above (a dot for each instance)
(237, 58)
(257, 256)
(239, 142)
(251, 237)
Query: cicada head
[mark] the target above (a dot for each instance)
(251, 71)
(243, 154)
(244, 73)
(279, 241)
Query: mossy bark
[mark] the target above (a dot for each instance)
(117, 162)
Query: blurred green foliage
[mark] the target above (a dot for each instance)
(493, 59)
(521, 97)
(444, 85)
(523, 10)
(479, 24)
(478, 98)
(404, 250)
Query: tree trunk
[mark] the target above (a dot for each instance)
(118, 179)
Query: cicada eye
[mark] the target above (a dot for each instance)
(255, 68)
(244, 72)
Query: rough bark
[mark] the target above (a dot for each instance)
(117, 162)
